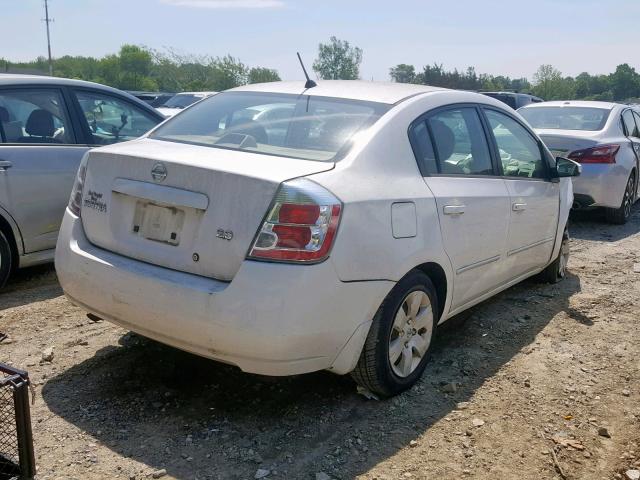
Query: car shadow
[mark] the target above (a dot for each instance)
(33, 284)
(197, 418)
(592, 225)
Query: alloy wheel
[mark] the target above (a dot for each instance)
(628, 197)
(410, 333)
(564, 257)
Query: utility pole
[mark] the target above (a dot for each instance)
(47, 21)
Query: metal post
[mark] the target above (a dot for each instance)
(25, 436)
(47, 22)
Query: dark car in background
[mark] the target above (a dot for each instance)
(155, 99)
(47, 124)
(513, 99)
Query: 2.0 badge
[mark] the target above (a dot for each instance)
(224, 234)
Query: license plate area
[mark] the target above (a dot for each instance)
(158, 223)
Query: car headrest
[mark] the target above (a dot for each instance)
(40, 124)
(444, 137)
(4, 114)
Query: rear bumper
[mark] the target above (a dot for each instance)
(603, 185)
(272, 319)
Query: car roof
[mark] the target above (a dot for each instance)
(381, 92)
(13, 79)
(9, 79)
(575, 103)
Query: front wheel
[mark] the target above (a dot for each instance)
(397, 346)
(620, 215)
(557, 270)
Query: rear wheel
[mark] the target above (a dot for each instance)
(396, 350)
(621, 214)
(557, 270)
(6, 259)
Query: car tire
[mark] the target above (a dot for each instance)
(557, 270)
(396, 350)
(6, 259)
(620, 215)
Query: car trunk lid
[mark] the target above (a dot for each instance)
(185, 207)
(563, 142)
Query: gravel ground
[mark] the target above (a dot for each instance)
(539, 382)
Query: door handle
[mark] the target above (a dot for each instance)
(519, 207)
(4, 164)
(453, 209)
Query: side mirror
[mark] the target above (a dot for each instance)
(567, 168)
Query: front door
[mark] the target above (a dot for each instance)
(534, 198)
(39, 158)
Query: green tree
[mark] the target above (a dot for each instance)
(226, 72)
(338, 60)
(625, 82)
(263, 75)
(135, 66)
(545, 79)
(551, 85)
(403, 73)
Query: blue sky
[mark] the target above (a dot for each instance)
(498, 37)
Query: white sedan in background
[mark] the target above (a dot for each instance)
(334, 234)
(181, 101)
(605, 139)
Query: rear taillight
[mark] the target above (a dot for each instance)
(75, 201)
(599, 154)
(300, 226)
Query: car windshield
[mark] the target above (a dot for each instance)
(182, 101)
(295, 126)
(566, 118)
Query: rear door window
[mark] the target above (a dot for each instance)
(630, 124)
(636, 116)
(459, 142)
(34, 117)
(111, 119)
(423, 149)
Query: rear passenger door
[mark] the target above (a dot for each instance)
(534, 198)
(39, 157)
(472, 199)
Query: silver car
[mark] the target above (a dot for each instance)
(46, 126)
(605, 139)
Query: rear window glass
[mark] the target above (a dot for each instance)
(183, 100)
(504, 98)
(566, 118)
(296, 126)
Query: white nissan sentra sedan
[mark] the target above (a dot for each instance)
(336, 235)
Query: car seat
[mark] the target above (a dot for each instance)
(39, 128)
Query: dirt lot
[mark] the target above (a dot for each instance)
(537, 372)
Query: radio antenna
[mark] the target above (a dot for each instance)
(310, 83)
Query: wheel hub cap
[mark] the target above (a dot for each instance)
(411, 333)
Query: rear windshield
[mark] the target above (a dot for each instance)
(182, 100)
(504, 98)
(566, 118)
(296, 126)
